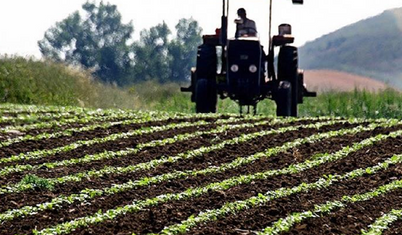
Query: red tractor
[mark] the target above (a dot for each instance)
(239, 68)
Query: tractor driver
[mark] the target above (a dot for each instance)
(244, 26)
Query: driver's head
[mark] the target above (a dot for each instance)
(241, 13)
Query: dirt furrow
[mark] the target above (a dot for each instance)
(38, 131)
(120, 199)
(360, 159)
(59, 127)
(394, 228)
(169, 150)
(283, 160)
(8, 201)
(256, 219)
(351, 219)
(182, 210)
(117, 144)
(50, 143)
(108, 146)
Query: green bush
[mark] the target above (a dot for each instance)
(30, 81)
(37, 182)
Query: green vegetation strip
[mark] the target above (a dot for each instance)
(29, 118)
(137, 205)
(107, 154)
(104, 155)
(43, 153)
(36, 113)
(383, 223)
(19, 108)
(65, 121)
(286, 223)
(66, 110)
(36, 117)
(148, 117)
(294, 168)
(38, 109)
(112, 154)
(91, 193)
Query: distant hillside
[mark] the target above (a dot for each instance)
(329, 80)
(371, 47)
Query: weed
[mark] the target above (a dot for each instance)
(37, 182)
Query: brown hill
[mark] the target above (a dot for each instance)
(330, 80)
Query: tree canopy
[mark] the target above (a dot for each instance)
(100, 42)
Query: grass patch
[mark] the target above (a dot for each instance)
(28, 81)
(364, 104)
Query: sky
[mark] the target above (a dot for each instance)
(24, 22)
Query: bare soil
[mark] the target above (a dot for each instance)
(350, 220)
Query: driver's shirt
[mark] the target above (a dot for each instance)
(246, 28)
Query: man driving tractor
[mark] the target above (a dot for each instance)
(244, 26)
(238, 68)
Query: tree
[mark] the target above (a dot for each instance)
(183, 49)
(157, 57)
(97, 42)
(151, 59)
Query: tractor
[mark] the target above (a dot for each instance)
(239, 69)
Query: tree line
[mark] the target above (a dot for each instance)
(100, 42)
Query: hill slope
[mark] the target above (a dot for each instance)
(329, 80)
(371, 47)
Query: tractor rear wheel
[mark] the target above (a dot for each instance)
(288, 71)
(205, 96)
(283, 99)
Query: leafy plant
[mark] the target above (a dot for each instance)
(37, 182)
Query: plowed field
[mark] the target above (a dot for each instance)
(79, 171)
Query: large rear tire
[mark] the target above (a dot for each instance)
(283, 99)
(288, 71)
(205, 96)
(205, 79)
(206, 62)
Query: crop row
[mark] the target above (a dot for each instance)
(113, 137)
(50, 165)
(64, 110)
(32, 118)
(143, 166)
(283, 225)
(80, 118)
(109, 154)
(314, 161)
(121, 176)
(190, 193)
(150, 117)
(87, 194)
(23, 114)
(383, 223)
(43, 153)
(38, 111)
(65, 120)
(16, 108)
(91, 193)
